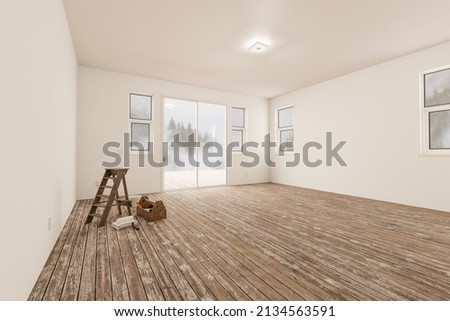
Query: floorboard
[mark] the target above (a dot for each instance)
(254, 242)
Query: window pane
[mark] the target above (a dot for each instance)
(286, 140)
(237, 136)
(238, 117)
(437, 88)
(286, 117)
(140, 136)
(179, 119)
(440, 129)
(140, 107)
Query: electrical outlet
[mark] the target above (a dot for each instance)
(246, 174)
(49, 223)
(97, 184)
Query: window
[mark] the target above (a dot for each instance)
(237, 136)
(237, 127)
(435, 111)
(285, 129)
(140, 117)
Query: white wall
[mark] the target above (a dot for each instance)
(38, 140)
(377, 111)
(103, 116)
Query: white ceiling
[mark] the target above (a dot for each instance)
(204, 42)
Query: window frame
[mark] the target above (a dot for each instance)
(141, 121)
(425, 119)
(146, 148)
(279, 130)
(242, 129)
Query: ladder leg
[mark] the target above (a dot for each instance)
(104, 216)
(125, 190)
(116, 196)
(97, 198)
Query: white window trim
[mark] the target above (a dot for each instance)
(279, 130)
(242, 129)
(141, 121)
(424, 118)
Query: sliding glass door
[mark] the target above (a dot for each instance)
(204, 165)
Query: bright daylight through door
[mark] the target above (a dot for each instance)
(206, 122)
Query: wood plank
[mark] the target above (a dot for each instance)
(255, 242)
(225, 280)
(118, 280)
(253, 286)
(188, 272)
(200, 265)
(202, 281)
(334, 241)
(73, 277)
(308, 285)
(134, 282)
(165, 283)
(245, 285)
(88, 275)
(268, 264)
(183, 286)
(244, 256)
(250, 272)
(151, 286)
(274, 245)
(386, 254)
(279, 244)
(56, 283)
(37, 293)
(103, 284)
(236, 292)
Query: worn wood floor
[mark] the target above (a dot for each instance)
(256, 242)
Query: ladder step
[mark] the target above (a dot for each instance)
(106, 186)
(96, 215)
(117, 201)
(121, 202)
(101, 205)
(116, 171)
(100, 202)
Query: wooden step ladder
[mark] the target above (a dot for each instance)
(105, 201)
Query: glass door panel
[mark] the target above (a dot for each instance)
(179, 119)
(211, 132)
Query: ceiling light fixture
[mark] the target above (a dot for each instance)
(258, 47)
